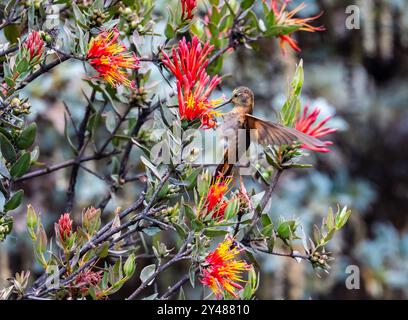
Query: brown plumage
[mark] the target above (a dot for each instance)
(268, 133)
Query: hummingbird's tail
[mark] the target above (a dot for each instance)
(224, 169)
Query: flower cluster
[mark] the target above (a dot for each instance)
(109, 57)
(187, 7)
(305, 124)
(86, 279)
(221, 272)
(64, 226)
(194, 86)
(34, 46)
(286, 19)
(214, 201)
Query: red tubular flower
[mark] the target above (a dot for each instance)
(35, 46)
(286, 19)
(65, 226)
(306, 121)
(187, 7)
(108, 56)
(215, 195)
(221, 272)
(194, 86)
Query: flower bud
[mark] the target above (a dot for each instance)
(35, 46)
(64, 226)
(130, 266)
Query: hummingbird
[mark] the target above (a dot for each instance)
(267, 132)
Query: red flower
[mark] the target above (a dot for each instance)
(64, 226)
(286, 19)
(86, 279)
(306, 121)
(214, 201)
(108, 56)
(194, 86)
(187, 7)
(221, 271)
(35, 46)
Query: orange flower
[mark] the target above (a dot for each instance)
(221, 272)
(194, 86)
(304, 124)
(286, 19)
(214, 201)
(109, 58)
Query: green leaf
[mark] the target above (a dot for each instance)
(147, 272)
(21, 166)
(291, 107)
(110, 122)
(266, 220)
(232, 209)
(103, 250)
(130, 265)
(79, 16)
(12, 33)
(7, 149)
(189, 212)
(246, 4)
(22, 66)
(342, 217)
(27, 137)
(286, 230)
(14, 201)
(169, 31)
(212, 233)
(151, 166)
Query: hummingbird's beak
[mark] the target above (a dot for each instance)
(223, 104)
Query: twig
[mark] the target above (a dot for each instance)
(173, 289)
(265, 199)
(62, 165)
(282, 254)
(80, 145)
(181, 255)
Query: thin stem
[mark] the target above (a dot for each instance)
(265, 199)
(62, 165)
(181, 255)
(80, 147)
(173, 289)
(282, 254)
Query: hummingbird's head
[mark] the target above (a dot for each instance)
(242, 96)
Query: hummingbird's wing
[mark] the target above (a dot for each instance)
(277, 134)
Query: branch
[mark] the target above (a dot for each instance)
(172, 290)
(265, 199)
(181, 255)
(282, 254)
(81, 146)
(62, 165)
